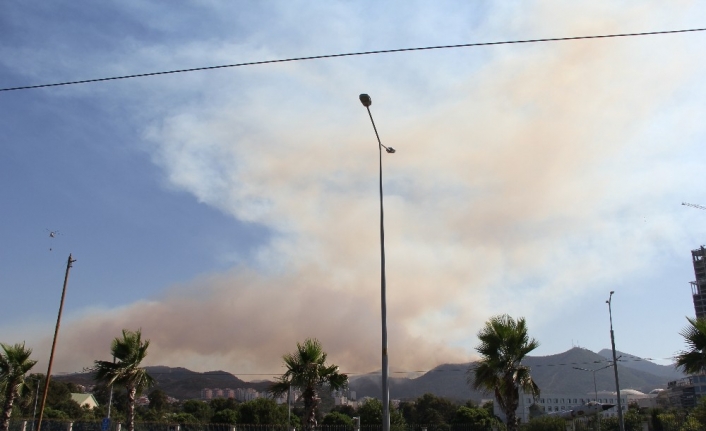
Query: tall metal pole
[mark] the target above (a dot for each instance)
(53, 345)
(36, 397)
(615, 363)
(367, 101)
(595, 387)
(110, 397)
(595, 390)
(289, 407)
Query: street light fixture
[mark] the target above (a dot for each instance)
(367, 101)
(615, 362)
(595, 388)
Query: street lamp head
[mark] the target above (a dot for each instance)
(612, 292)
(365, 100)
(390, 150)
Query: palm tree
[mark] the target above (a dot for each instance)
(14, 365)
(129, 351)
(307, 370)
(693, 360)
(503, 344)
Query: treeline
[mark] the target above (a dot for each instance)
(437, 412)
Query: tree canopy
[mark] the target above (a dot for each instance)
(15, 363)
(693, 359)
(308, 371)
(128, 352)
(504, 342)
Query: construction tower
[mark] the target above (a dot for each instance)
(698, 287)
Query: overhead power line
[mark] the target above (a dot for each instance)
(352, 54)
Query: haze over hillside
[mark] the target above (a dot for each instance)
(630, 361)
(554, 373)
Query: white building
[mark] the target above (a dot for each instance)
(246, 394)
(556, 402)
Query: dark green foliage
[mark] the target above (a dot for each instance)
(661, 420)
(184, 418)
(371, 413)
(336, 418)
(346, 410)
(474, 419)
(153, 416)
(14, 366)
(218, 404)
(428, 410)
(50, 413)
(693, 360)
(504, 343)
(226, 416)
(72, 409)
(58, 393)
(101, 393)
(129, 351)
(158, 400)
(699, 412)
(262, 411)
(545, 423)
(308, 371)
(199, 409)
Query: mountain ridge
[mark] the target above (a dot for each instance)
(556, 373)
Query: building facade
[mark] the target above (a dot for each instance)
(556, 402)
(685, 392)
(698, 287)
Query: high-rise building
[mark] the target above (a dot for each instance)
(698, 287)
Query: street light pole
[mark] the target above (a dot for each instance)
(36, 397)
(615, 362)
(367, 101)
(595, 388)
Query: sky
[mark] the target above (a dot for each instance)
(232, 213)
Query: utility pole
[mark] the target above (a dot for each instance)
(53, 345)
(621, 422)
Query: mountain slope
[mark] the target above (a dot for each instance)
(630, 361)
(553, 373)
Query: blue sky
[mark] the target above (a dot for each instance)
(232, 213)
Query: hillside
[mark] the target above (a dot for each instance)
(630, 361)
(556, 373)
(553, 373)
(179, 382)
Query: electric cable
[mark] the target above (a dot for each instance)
(350, 54)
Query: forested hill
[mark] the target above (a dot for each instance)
(179, 382)
(554, 373)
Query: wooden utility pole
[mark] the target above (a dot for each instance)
(53, 345)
